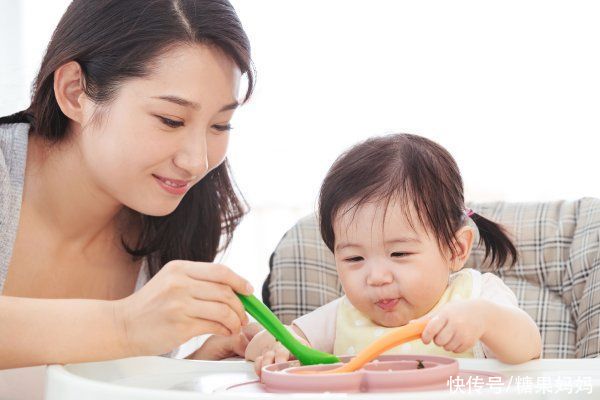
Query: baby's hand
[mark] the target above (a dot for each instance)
(218, 347)
(264, 350)
(457, 326)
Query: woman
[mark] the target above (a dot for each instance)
(116, 175)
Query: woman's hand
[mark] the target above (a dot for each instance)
(184, 299)
(219, 347)
(264, 350)
(457, 326)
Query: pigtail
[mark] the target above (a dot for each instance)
(498, 246)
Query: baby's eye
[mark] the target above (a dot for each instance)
(354, 259)
(399, 254)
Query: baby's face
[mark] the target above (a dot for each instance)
(389, 271)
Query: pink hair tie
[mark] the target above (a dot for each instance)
(469, 212)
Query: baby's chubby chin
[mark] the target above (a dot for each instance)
(390, 313)
(389, 319)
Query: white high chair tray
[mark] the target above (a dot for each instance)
(163, 378)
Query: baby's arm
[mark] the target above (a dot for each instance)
(511, 334)
(506, 332)
(217, 347)
(264, 350)
(494, 290)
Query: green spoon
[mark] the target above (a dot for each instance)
(266, 318)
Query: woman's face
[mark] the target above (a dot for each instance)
(162, 133)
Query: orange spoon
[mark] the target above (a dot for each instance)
(398, 336)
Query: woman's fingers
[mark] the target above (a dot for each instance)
(205, 327)
(251, 330)
(184, 299)
(217, 292)
(216, 312)
(217, 273)
(239, 343)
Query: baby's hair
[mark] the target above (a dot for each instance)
(416, 172)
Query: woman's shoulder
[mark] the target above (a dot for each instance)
(13, 147)
(13, 155)
(13, 152)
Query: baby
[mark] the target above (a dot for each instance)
(391, 209)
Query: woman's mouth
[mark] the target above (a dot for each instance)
(387, 304)
(172, 186)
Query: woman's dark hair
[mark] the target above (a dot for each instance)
(116, 40)
(418, 173)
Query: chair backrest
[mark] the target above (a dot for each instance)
(557, 278)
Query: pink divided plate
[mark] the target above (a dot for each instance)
(386, 374)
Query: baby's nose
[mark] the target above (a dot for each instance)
(379, 276)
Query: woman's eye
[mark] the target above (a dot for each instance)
(354, 259)
(170, 122)
(223, 128)
(399, 254)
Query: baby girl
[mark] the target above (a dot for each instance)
(392, 211)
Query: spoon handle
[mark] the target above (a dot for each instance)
(269, 321)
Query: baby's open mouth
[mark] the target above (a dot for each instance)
(387, 304)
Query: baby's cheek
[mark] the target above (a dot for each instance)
(359, 299)
(353, 285)
(425, 293)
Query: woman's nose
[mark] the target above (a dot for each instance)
(193, 156)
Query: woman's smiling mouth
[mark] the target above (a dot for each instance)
(173, 186)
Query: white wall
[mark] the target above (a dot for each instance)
(511, 88)
(11, 76)
(25, 29)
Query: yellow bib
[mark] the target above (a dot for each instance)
(355, 331)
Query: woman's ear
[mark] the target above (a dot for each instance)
(463, 245)
(69, 90)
